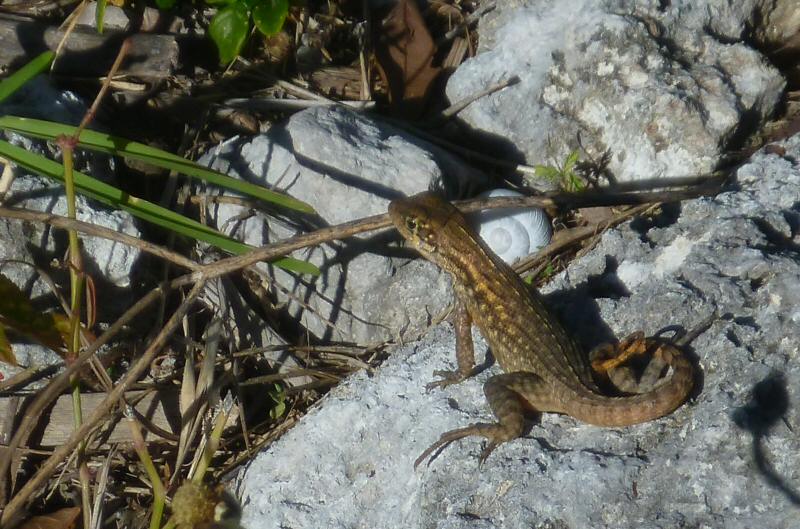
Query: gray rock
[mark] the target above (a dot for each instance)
(24, 244)
(347, 166)
(666, 88)
(113, 17)
(39, 99)
(107, 262)
(728, 458)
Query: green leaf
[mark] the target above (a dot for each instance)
(571, 160)
(269, 15)
(166, 4)
(140, 208)
(13, 83)
(547, 171)
(278, 396)
(228, 30)
(575, 182)
(99, 13)
(17, 313)
(115, 145)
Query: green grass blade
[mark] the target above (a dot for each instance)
(99, 15)
(12, 83)
(140, 208)
(115, 145)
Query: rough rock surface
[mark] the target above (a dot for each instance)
(665, 87)
(726, 459)
(348, 166)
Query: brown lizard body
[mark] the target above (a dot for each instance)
(545, 370)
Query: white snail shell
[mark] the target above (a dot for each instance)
(512, 233)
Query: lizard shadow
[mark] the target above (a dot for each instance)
(768, 404)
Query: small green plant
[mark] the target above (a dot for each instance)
(548, 272)
(544, 275)
(564, 175)
(278, 395)
(231, 25)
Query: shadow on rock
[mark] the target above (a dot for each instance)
(768, 404)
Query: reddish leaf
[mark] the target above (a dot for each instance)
(61, 519)
(404, 49)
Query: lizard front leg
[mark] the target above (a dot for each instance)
(509, 395)
(465, 350)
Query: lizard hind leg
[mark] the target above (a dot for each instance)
(615, 363)
(508, 395)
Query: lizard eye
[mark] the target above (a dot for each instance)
(411, 224)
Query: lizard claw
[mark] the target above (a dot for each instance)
(448, 378)
(437, 447)
(488, 449)
(454, 435)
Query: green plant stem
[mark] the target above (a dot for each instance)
(73, 347)
(211, 446)
(159, 492)
(75, 260)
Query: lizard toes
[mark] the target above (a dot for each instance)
(488, 449)
(448, 378)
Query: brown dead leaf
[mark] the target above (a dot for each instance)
(6, 353)
(404, 50)
(61, 519)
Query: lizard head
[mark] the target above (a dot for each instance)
(423, 220)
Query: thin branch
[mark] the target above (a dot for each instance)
(468, 21)
(224, 266)
(576, 235)
(89, 116)
(50, 392)
(98, 231)
(100, 413)
(711, 185)
(458, 106)
(375, 222)
(283, 104)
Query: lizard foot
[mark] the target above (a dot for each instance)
(612, 363)
(494, 433)
(448, 378)
(610, 356)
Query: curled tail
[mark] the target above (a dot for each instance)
(666, 397)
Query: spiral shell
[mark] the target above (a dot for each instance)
(512, 233)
